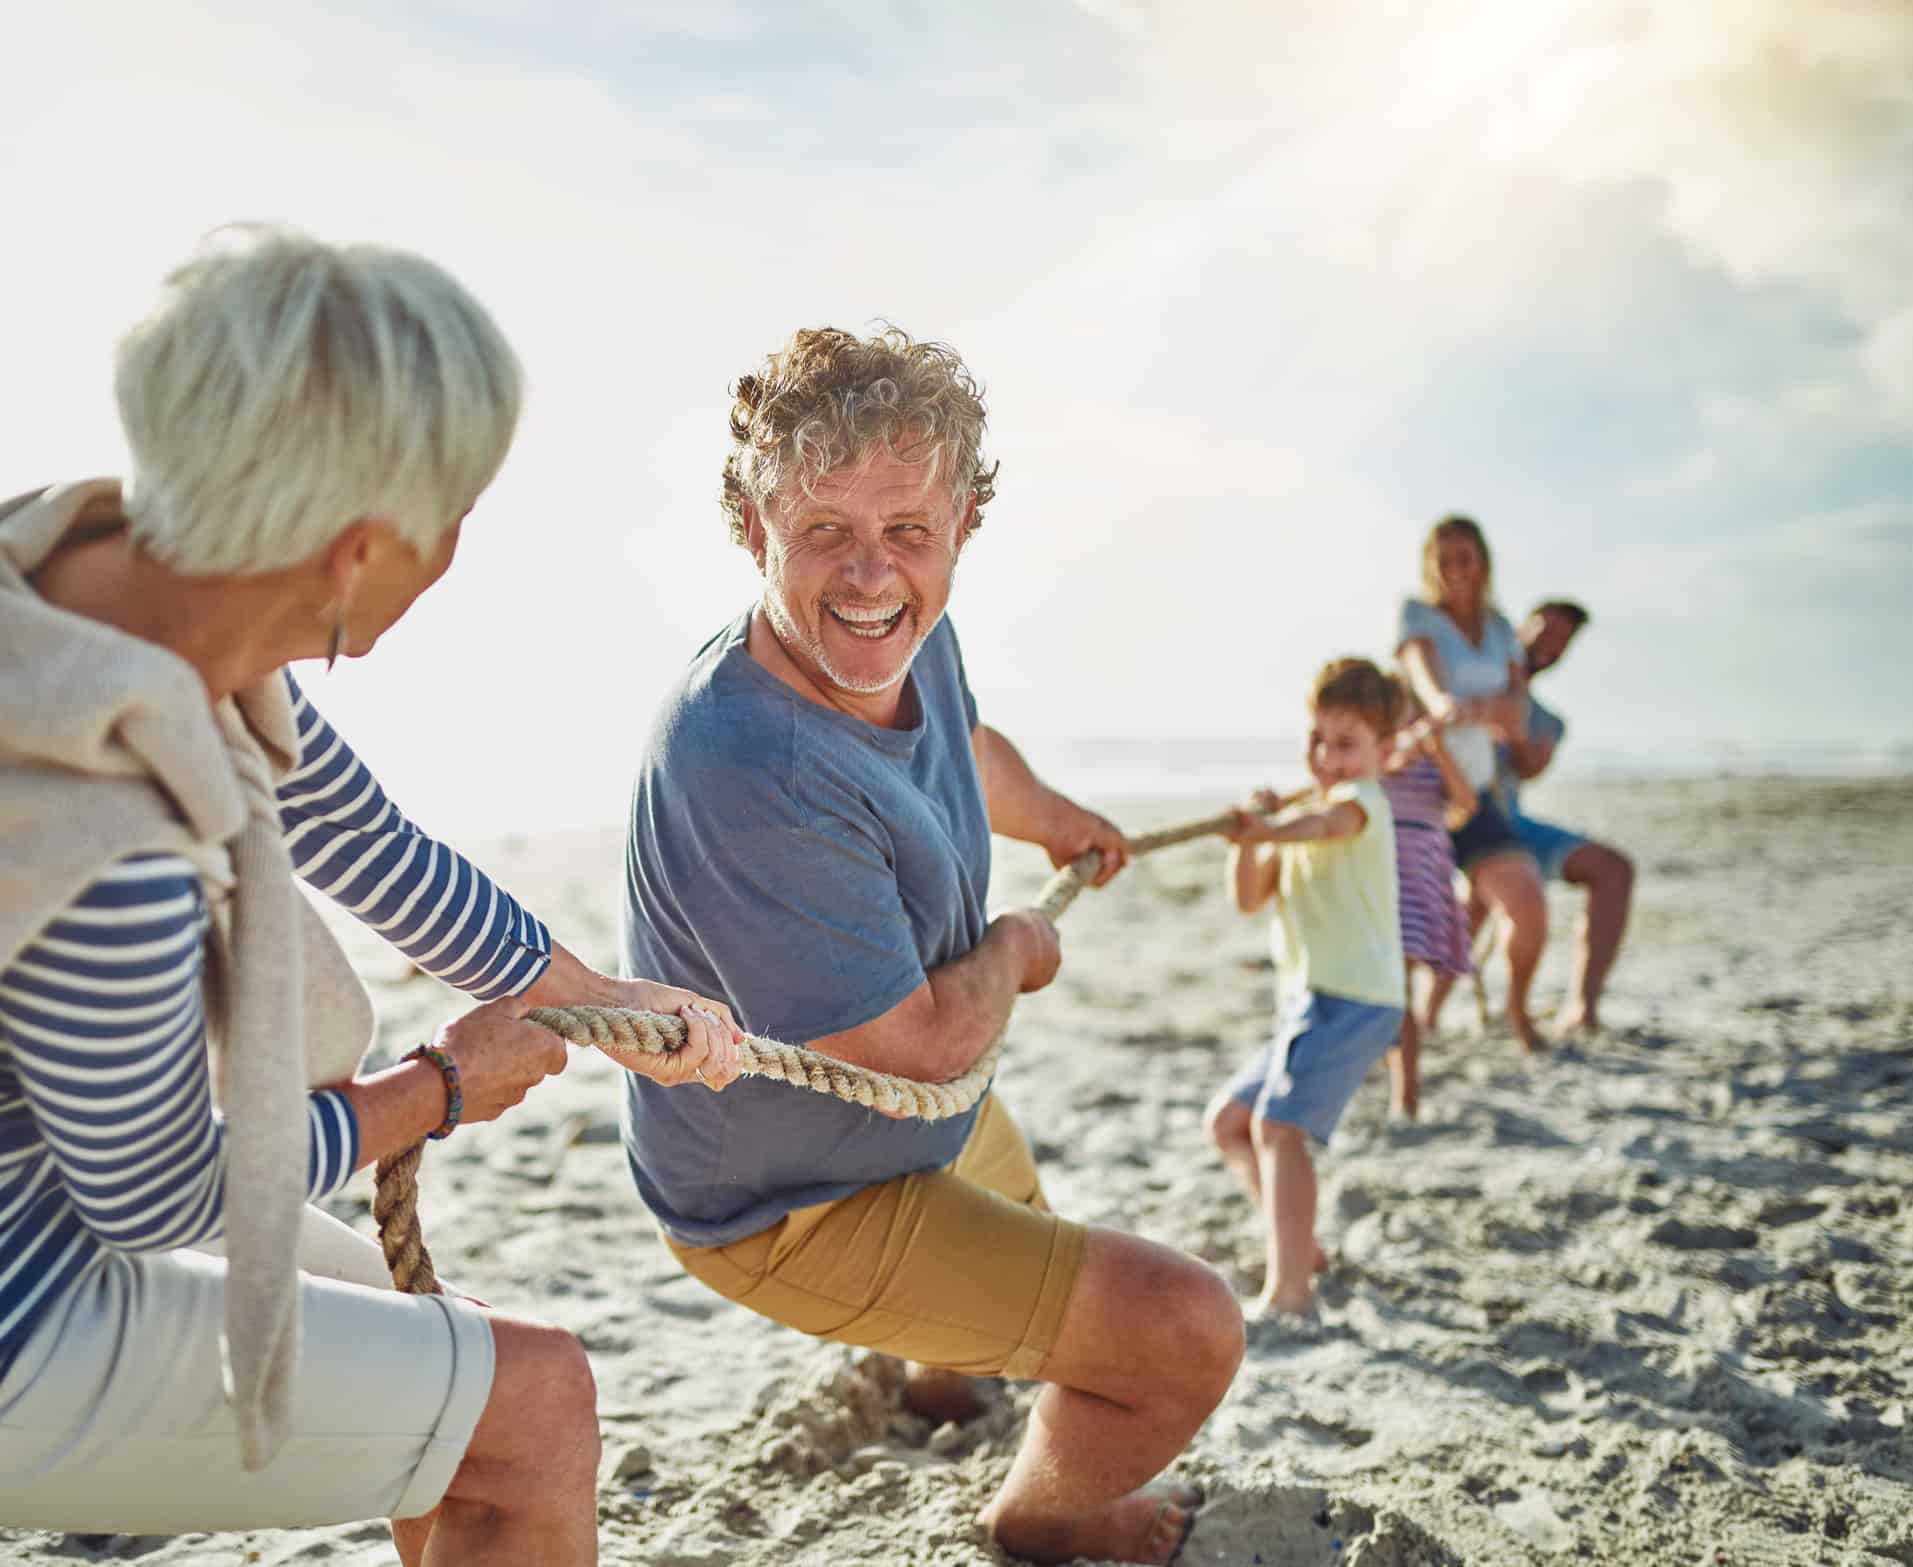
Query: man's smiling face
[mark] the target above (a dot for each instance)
(858, 573)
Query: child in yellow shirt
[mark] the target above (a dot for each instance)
(1329, 863)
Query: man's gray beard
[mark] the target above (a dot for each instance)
(794, 639)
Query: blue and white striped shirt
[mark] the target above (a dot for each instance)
(108, 1135)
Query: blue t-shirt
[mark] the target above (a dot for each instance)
(1544, 724)
(809, 868)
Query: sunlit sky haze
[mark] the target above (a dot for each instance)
(1256, 291)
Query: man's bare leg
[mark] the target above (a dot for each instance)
(937, 1395)
(1608, 876)
(1149, 1343)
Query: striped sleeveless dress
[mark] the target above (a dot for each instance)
(1434, 924)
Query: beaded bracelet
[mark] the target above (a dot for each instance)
(454, 1094)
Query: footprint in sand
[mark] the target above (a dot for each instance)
(1299, 1526)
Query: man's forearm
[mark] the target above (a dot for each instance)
(939, 1032)
(974, 997)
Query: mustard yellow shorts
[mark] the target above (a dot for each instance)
(963, 1267)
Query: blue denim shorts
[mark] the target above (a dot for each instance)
(1550, 845)
(1323, 1048)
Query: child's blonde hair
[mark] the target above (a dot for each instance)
(1358, 686)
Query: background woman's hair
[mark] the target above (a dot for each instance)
(1450, 527)
(283, 388)
(829, 397)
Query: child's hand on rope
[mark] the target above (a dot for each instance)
(1248, 827)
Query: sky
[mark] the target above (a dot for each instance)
(1256, 292)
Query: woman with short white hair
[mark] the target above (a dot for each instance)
(308, 427)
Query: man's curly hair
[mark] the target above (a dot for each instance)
(829, 397)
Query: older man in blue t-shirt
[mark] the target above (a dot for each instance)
(810, 839)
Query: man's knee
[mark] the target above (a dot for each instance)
(1162, 1328)
(1602, 869)
(1617, 871)
(1202, 1321)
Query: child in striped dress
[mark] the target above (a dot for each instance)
(1428, 791)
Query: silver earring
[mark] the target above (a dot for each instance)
(338, 641)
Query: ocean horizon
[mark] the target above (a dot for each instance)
(511, 797)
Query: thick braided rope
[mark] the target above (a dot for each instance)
(627, 1036)
(395, 1207)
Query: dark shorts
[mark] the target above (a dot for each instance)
(1485, 834)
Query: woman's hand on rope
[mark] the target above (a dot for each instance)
(712, 1053)
(500, 1057)
(1076, 831)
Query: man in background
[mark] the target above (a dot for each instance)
(1604, 871)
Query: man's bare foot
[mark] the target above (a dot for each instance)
(936, 1395)
(1145, 1526)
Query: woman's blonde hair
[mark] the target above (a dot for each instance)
(1456, 526)
(284, 388)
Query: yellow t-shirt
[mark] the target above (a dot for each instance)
(1339, 928)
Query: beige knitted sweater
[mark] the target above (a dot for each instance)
(109, 746)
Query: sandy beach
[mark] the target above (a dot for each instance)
(1644, 1302)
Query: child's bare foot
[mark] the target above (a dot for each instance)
(936, 1395)
(1282, 1301)
(1526, 1034)
(1148, 1525)
(1320, 1264)
(1579, 1022)
(1405, 1107)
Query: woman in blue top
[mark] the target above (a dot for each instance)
(179, 1035)
(1469, 672)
